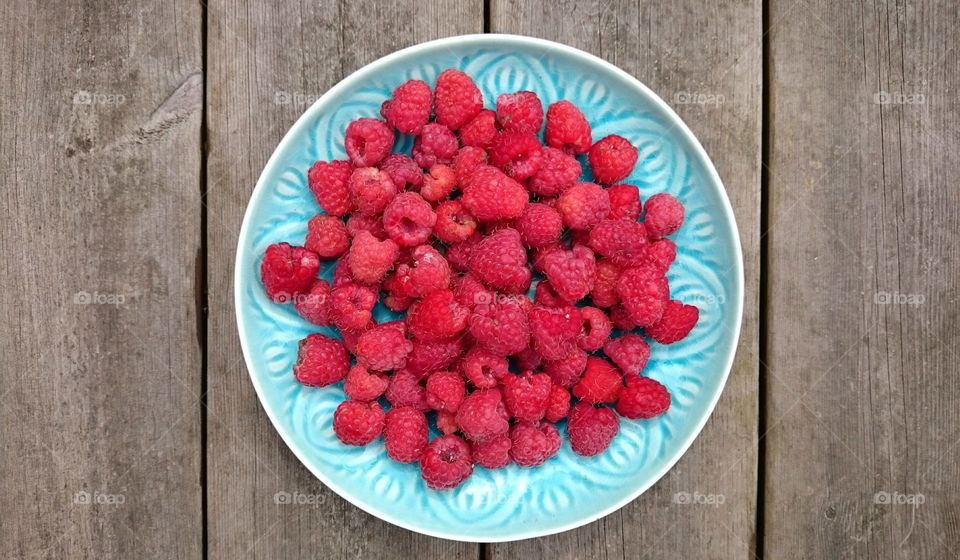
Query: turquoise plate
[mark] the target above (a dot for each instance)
(569, 490)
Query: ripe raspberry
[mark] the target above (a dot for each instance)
(492, 454)
(596, 329)
(567, 128)
(675, 324)
(439, 183)
(287, 271)
(395, 298)
(516, 153)
(371, 190)
(571, 273)
(321, 361)
(604, 292)
(350, 338)
(364, 386)
(447, 422)
(428, 271)
(328, 183)
(409, 108)
(315, 305)
(482, 415)
(662, 214)
(660, 254)
(368, 141)
(620, 319)
(591, 429)
(446, 462)
(521, 111)
(405, 433)
(403, 171)
(558, 172)
(405, 390)
(490, 195)
(555, 331)
(383, 348)
(468, 158)
(501, 327)
(409, 219)
(483, 369)
(545, 296)
(642, 397)
(527, 396)
(612, 159)
(458, 254)
(437, 316)
(532, 444)
(428, 357)
(539, 225)
(644, 292)
(624, 201)
(583, 205)
(358, 423)
(436, 144)
(559, 404)
(372, 224)
(540, 254)
(454, 223)
(567, 371)
(327, 237)
(500, 261)
(526, 359)
(351, 307)
(622, 241)
(445, 391)
(370, 259)
(630, 352)
(480, 131)
(457, 100)
(600, 382)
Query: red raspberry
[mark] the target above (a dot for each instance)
(540, 254)
(383, 348)
(371, 190)
(437, 316)
(539, 225)
(351, 307)
(447, 423)
(567, 128)
(591, 429)
(567, 371)
(457, 100)
(321, 361)
(445, 391)
(405, 433)
(612, 159)
(458, 254)
(622, 241)
(439, 183)
(630, 352)
(675, 324)
(583, 205)
(405, 390)
(596, 329)
(521, 111)
(532, 444)
(287, 271)
(555, 331)
(364, 386)
(624, 201)
(468, 158)
(350, 338)
(545, 296)
(403, 171)
(436, 144)
(604, 292)
(409, 108)
(428, 357)
(621, 319)
(500, 261)
(370, 258)
(315, 306)
(492, 454)
(558, 172)
(600, 382)
(526, 359)
(368, 141)
(327, 237)
(559, 405)
(409, 219)
(372, 224)
(642, 397)
(480, 131)
(660, 254)
(454, 223)
(328, 183)
(501, 327)
(483, 369)
(490, 195)
(527, 396)
(516, 153)
(644, 292)
(358, 423)
(662, 214)
(482, 415)
(571, 273)
(428, 271)
(446, 462)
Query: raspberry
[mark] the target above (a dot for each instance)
(327, 237)
(456, 99)
(468, 158)
(395, 298)
(372, 224)
(428, 357)
(321, 361)
(630, 352)
(620, 319)
(660, 254)
(447, 423)
(351, 307)
(483, 369)
(500, 327)
(358, 423)
(591, 429)
(371, 190)
(516, 153)
(622, 241)
(409, 108)
(437, 316)
(558, 172)
(583, 205)
(454, 223)
(644, 293)
(558, 405)
(458, 254)
(368, 141)
(521, 111)
(675, 324)
(545, 296)
(612, 159)
(328, 183)
(527, 396)
(555, 331)
(383, 348)
(315, 305)
(642, 397)
(662, 214)
(500, 261)
(445, 391)
(492, 454)
(480, 131)
(482, 415)
(439, 183)
(364, 386)
(446, 462)
(604, 292)
(405, 433)
(436, 144)
(539, 225)
(540, 254)
(370, 259)
(428, 271)
(287, 271)
(567, 128)
(405, 390)
(409, 219)
(490, 195)
(403, 171)
(600, 382)
(571, 273)
(526, 359)
(624, 201)
(342, 275)
(350, 338)
(532, 444)
(596, 329)
(567, 371)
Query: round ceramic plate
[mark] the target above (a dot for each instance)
(568, 490)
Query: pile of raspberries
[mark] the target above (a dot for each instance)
(455, 235)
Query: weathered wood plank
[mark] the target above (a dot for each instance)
(267, 63)
(684, 51)
(863, 316)
(100, 109)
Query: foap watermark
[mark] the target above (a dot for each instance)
(84, 97)
(489, 298)
(884, 498)
(898, 98)
(98, 498)
(707, 300)
(96, 298)
(698, 98)
(295, 98)
(297, 498)
(897, 298)
(697, 499)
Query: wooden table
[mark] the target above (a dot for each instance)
(131, 135)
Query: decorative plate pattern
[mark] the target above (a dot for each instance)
(568, 490)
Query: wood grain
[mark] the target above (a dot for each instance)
(684, 51)
(863, 324)
(267, 63)
(100, 109)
